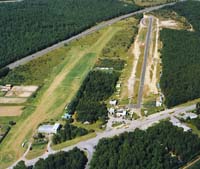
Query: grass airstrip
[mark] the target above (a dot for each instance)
(58, 90)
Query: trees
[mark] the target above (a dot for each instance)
(29, 26)
(89, 101)
(4, 72)
(198, 107)
(20, 165)
(68, 132)
(162, 146)
(180, 58)
(74, 159)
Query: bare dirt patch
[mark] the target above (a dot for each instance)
(21, 91)
(131, 81)
(151, 79)
(10, 100)
(169, 24)
(10, 111)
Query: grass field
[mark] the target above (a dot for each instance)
(36, 151)
(120, 48)
(58, 90)
(74, 141)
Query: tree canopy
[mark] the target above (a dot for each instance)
(180, 57)
(29, 26)
(73, 159)
(159, 147)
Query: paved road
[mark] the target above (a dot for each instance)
(146, 53)
(89, 145)
(11, 1)
(87, 32)
(142, 78)
(191, 163)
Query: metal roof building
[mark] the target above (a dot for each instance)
(49, 129)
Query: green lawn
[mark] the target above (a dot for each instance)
(94, 126)
(37, 150)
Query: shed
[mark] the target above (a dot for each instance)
(111, 110)
(113, 102)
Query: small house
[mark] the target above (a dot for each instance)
(159, 101)
(113, 102)
(111, 111)
(121, 113)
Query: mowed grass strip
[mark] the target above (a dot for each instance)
(57, 93)
(74, 141)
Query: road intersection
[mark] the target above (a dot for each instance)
(142, 123)
(89, 145)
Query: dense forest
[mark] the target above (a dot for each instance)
(74, 159)
(181, 59)
(117, 64)
(159, 147)
(96, 88)
(68, 132)
(29, 26)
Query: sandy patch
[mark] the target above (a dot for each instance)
(136, 52)
(10, 100)
(169, 24)
(156, 56)
(153, 60)
(10, 110)
(21, 91)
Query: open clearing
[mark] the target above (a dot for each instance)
(60, 90)
(21, 91)
(10, 111)
(151, 78)
(12, 100)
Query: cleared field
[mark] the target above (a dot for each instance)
(59, 90)
(12, 100)
(10, 111)
(74, 141)
(21, 91)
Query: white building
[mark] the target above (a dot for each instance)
(121, 113)
(159, 101)
(6, 88)
(118, 85)
(111, 110)
(49, 129)
(190, 115)
(113, 102)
